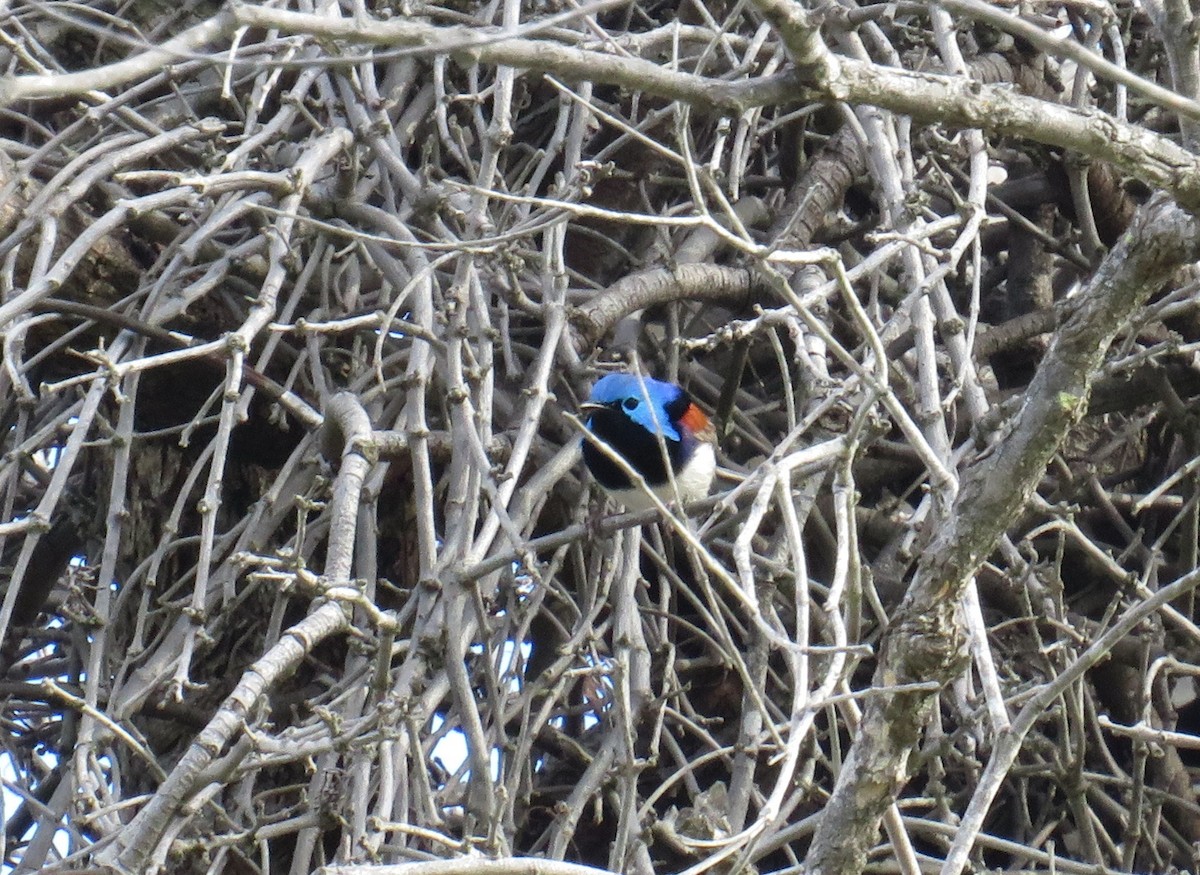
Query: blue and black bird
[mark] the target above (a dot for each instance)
(650, 424)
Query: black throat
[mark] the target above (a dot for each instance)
(634, 443)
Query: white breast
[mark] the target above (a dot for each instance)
(692, 481)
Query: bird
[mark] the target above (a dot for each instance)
(649, 423)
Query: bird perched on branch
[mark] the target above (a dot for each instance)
(655, 427)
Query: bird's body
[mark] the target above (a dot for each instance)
(650, 424)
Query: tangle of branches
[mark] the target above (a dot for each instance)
(301, 569)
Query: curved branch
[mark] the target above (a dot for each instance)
(731, 287)
(59, 85)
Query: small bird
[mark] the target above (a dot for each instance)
(649, 423)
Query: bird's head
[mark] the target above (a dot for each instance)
(658, 431)
(626, 400)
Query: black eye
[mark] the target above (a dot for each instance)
(631, 403)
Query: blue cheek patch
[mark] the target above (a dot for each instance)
(642, 416)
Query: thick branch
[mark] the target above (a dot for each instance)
(58, 85)
(469, 866)
(480, 45)
(1081, 55)
(947, 99)
(924, 641)
(961, 102)
(732, 287)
